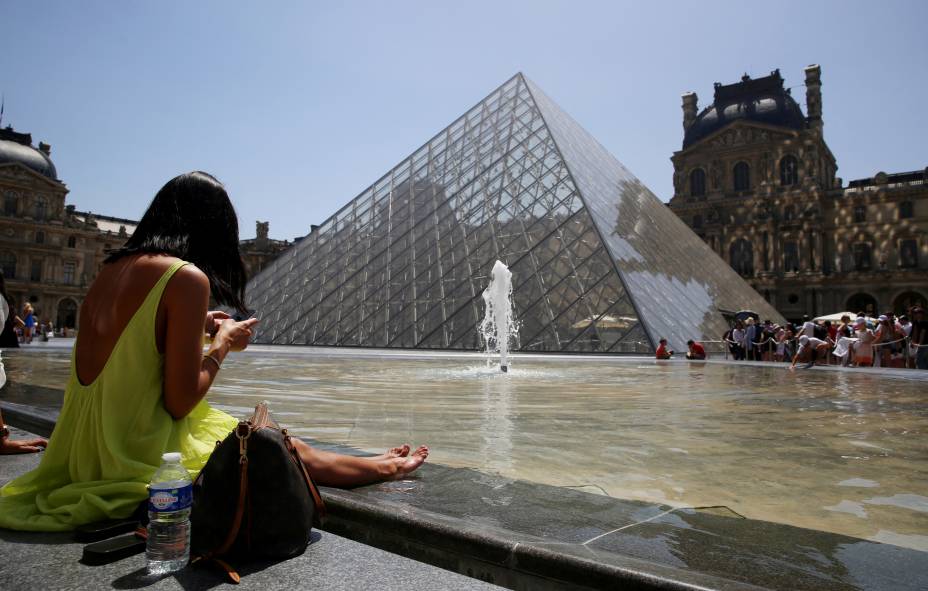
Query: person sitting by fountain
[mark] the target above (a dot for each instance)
(662, 351)
(696, 351)
(139, 375)
(810, 349)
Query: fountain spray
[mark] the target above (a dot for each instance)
(498, 326)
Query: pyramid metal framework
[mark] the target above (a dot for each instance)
(598, 262)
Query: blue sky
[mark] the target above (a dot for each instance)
(297, 107)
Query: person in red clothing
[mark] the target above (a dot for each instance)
(662, 351)
(697, 351)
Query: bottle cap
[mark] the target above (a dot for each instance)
(171, 456)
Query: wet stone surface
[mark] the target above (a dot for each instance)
(713, 542)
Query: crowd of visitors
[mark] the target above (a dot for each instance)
(861, 341)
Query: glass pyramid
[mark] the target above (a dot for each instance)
(598, 262)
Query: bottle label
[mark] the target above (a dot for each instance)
(163, 500)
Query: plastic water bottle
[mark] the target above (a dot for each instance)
(169, 499)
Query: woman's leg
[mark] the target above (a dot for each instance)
(332, 469)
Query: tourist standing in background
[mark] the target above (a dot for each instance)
(737, 340)
(920, 337)
(28, 322)
(863, 350)
(750, 338)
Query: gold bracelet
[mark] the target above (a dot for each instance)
(213, 359)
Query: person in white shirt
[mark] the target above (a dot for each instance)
(812, 348)
(737, 336)
(808, 327)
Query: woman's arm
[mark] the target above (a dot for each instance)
(188, 374)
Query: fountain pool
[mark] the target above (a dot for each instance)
(839, 451)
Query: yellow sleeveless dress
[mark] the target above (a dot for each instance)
(110, 436)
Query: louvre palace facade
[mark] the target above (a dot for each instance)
(49, 251)
(757, 182)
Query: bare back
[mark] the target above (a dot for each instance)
(115, 295)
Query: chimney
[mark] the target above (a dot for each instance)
(814, 96)
(689, 109)
(45, 148)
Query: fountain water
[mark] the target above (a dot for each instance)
(498, 326)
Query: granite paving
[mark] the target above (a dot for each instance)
(331, 562)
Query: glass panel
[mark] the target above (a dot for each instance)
(678, 285)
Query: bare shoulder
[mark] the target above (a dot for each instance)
(188, 282)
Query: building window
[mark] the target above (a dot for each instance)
(40, 209)
(791, 257)
(789, 171)
(860, 214)
(908, 253)
(793, 298)
(9, 204)
(697, 221)
(742, 257)
(68, 277)
(72, 242)
(40, 237)
(742, 176)
(906, 210)
(698, 183)
(35, 273)
(789, 213)
(8, 264)
(862, 259)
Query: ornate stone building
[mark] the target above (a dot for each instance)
(49, 251)
(261, 250)
(756, 180)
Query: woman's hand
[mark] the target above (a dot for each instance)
(213, 320)
(236, 334)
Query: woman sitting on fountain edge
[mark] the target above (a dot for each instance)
(139, 375)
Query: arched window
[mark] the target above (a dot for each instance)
(906, 210)
(8, 264)
(698, 183)
(907, 300)
(697, 221)
(40, 237)
(789, 171)
(742, 176)
(72, 241)
(741, 256)
(67, 313)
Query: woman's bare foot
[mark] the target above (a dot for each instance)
(22, 446)
(408, 464)
(394, 452)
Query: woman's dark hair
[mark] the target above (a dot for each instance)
(192, 218)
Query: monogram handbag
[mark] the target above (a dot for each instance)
(254, 497)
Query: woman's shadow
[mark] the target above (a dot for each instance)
(206, 576)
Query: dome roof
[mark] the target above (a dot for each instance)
(17, 148)
(763, 100)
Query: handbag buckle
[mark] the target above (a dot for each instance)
(243, 441)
